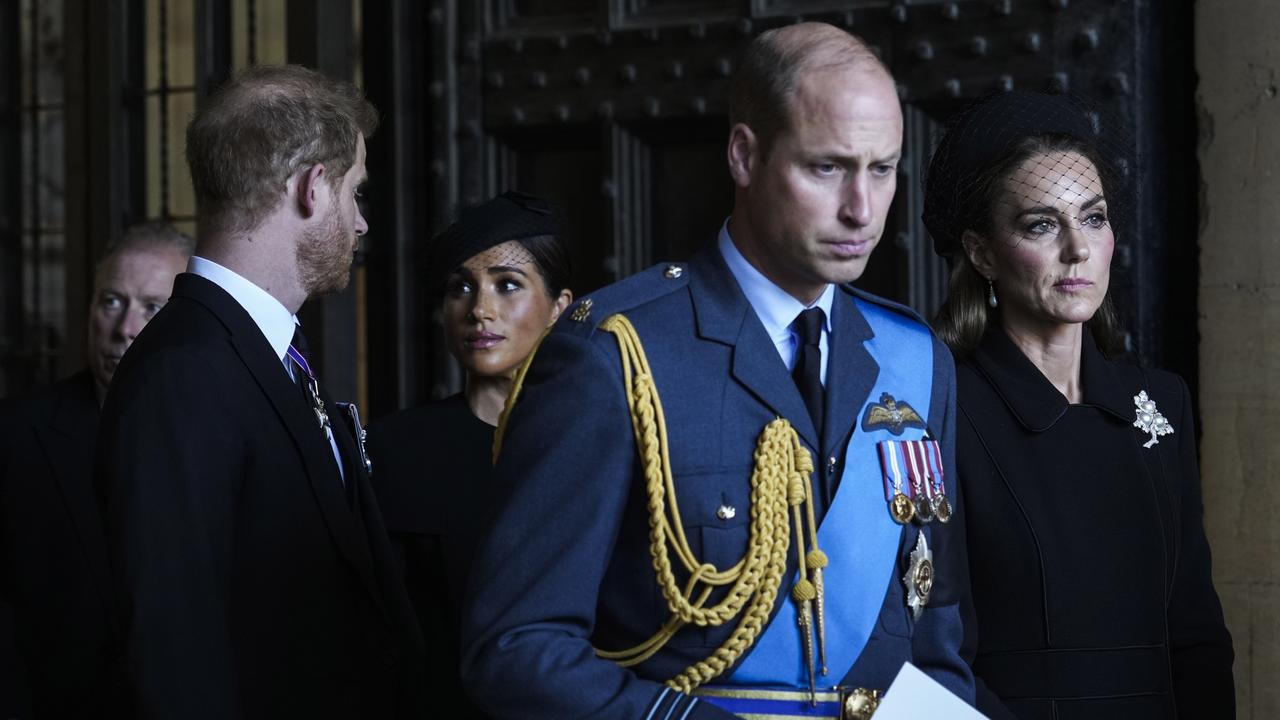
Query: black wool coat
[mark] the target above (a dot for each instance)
(1091, 586)
(53, 558)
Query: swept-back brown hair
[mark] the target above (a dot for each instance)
(265, 124)
(963, 318)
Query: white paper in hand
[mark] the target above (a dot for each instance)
(915, 695)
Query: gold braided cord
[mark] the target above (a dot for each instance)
(779, 486)
(782, 465)
(517, 383)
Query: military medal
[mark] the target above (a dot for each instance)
(312, 388)
(919, 577)
(941, 504)
(942, 508)
(917, 467)
(924, 507)
(925, 496)
(317, 406)
(901, 509)
(1149, 420)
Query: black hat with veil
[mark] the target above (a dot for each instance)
(510, 216)
(982, 143)
(1019, 167)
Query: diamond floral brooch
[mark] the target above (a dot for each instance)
(1149, 419)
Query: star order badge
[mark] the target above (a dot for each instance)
(919, 577)
(1149, 420)
(892, 415)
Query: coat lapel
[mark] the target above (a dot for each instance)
(851, 371)
(724, 315)
(274, 381)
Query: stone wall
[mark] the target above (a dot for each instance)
(1237, 56)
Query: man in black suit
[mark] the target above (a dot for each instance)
(253, 571)
(53, 562)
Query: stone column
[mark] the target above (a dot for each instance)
(1237, 56)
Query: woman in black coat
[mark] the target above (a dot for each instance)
(503, 272)
(1091, 587)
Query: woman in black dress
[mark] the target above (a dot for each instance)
(1091, 587)
(504, 273)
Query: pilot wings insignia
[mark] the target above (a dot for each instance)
(891, 415)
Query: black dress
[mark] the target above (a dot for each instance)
(431, 470)
(1092, 595)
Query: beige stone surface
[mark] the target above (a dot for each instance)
(1238, 61)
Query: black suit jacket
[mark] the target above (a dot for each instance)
(53, 562)
(249, 583)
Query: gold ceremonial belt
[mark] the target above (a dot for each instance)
(752, 703)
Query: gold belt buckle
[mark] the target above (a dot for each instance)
(858, 703)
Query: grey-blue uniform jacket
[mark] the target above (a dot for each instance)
(566, 565)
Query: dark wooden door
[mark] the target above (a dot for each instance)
(616, 109)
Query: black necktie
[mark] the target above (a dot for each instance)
(808, 369)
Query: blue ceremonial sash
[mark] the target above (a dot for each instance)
(857, 533)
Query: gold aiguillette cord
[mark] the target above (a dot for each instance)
(808, 593)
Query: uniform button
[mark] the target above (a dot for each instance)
(726, 512)
(831, 465)
(674, 271)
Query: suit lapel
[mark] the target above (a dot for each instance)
(724, 315)
(274, 381)
(357, 480)
(851, 371)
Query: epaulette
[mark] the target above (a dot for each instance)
(886, 303)
(586, 314)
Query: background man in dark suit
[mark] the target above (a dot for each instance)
(253, 571)
(568, 618)
(53, 563)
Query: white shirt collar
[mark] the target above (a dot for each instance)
(775, 307)
(272, 318)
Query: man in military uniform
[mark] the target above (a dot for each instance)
(697, 483)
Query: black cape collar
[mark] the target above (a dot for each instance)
(1032, 399)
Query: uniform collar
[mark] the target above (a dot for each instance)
(1029, 395)
(776, 308)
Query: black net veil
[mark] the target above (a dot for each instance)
(500, 232)
(1019, 167)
